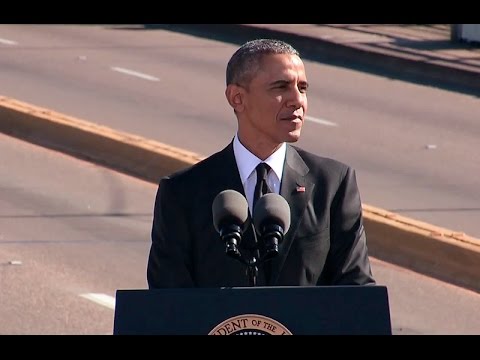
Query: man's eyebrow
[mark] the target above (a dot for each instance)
(280, 82)
(286, 82)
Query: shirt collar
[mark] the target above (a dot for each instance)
(247, 162)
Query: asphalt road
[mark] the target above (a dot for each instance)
(68, 230)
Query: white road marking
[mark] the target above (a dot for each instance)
(8, 42)
(320, 121)
(101, 299)
(135, 73)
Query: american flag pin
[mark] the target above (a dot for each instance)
(300, 188)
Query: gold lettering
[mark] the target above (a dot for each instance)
(220, 331)
(237, 325)
(269, 326)
(255, 322)
(229, 330)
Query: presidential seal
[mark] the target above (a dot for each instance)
(250, 324)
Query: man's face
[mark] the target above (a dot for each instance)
(275, 102)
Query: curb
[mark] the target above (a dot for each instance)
(447, 255)
(130, 154)
(350, 55)
(441, 253)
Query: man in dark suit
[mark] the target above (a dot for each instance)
(326, 242)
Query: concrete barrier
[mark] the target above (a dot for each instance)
(438, 252)
(435, 251)
(121, 151)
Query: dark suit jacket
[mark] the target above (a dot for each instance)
(325, 244)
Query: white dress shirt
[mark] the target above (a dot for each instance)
(247, 162)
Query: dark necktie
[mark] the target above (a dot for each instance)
(261, 188)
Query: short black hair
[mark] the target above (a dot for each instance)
(245, 62)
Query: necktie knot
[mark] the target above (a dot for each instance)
(262, 171)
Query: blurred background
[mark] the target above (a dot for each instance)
(398, 102)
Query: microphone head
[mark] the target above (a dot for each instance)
(274, 209)
(229, 207)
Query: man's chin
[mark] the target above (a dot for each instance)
(293, 137)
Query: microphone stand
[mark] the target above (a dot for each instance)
(231, 235)
(252, 262)
(252, 271)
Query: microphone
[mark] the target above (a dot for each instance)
(271, 218)
(230, 212)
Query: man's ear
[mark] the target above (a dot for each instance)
(235, 97)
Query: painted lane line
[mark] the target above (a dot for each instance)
(134, 73)
(101, 299)
(320, 121)
(8, 42)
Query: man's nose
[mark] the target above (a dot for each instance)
(296, 98)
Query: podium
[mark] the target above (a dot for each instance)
(296, 310)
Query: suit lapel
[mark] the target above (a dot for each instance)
(229, 178)
(297, 190)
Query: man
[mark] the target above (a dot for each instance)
(326, 242)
